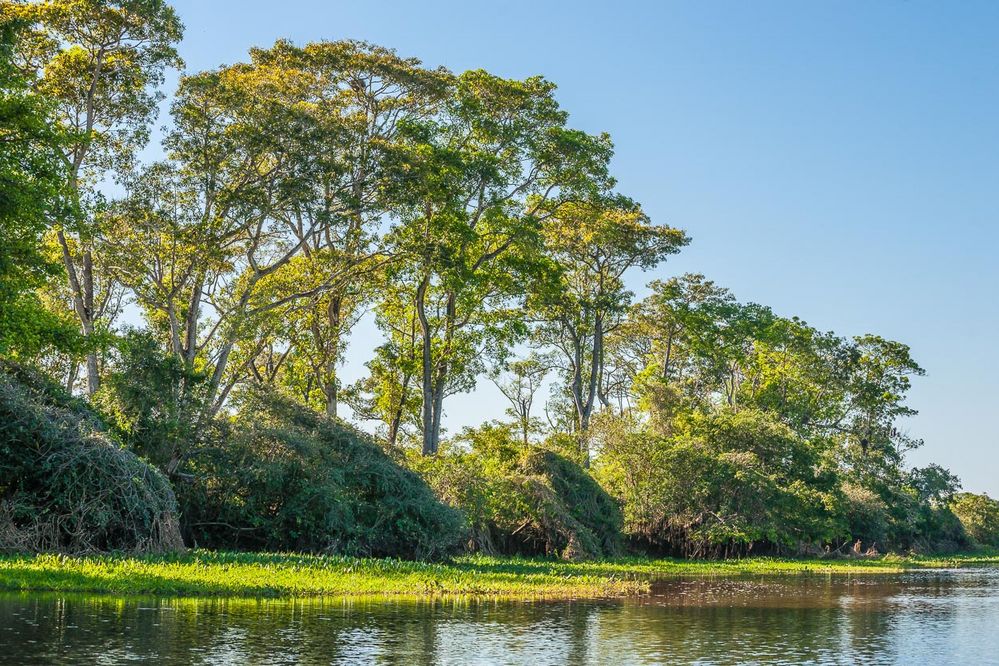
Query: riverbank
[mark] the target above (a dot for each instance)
(206, 573)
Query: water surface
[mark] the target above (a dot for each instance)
(916, 618)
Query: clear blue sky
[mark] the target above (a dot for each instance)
(834, 160)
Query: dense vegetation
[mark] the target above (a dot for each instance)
(66, 485)
(312, 185)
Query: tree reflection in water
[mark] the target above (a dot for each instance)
(928, 617)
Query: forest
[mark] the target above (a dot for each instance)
(173, 333)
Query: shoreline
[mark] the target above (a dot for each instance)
(265, 575)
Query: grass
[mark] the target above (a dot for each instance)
(206, 573)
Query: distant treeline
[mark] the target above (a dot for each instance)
(313, 184)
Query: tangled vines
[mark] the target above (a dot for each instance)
(66, 486)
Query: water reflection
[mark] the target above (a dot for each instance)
(931, 617)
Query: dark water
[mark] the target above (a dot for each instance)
(920, 618)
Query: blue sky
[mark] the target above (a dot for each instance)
(838, 161)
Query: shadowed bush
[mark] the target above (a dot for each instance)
(285, 478)
(722, 484)
(519, 500)
(979, 514)
(65, 485)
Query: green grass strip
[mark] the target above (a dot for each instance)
(206, 573)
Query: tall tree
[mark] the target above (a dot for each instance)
(358, 95)
(262, 224)
(31, 179)
(523, 380)
(475, 185)
(594, 244)
(100, 61)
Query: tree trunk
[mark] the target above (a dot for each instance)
(74, 371)
(333, 314)
(331, 398)
(429, 447)
(82, 292)
(435, 431)
(393, 430)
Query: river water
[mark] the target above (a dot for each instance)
(917, 618)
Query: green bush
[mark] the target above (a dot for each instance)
(281, 477)
(65, 485)
(721, 484)
(522, 500)
(979, 514)
(867, 515)
(156, 404)
(908, 512)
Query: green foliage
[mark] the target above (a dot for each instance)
(722, 484)
(279, 476)
(31, 177)
(867, 514)
(590, 247)
(65, 485)
(474, 185)
(523, 499)
(157, 404)
(910, 516)
(979, 514)
(310, 183)
(255, 575)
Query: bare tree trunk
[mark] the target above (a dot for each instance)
(393, 431)
(576, 386)
(82, 292)
(74, 371)
(191, 323)
(429, 447)
(333, 313)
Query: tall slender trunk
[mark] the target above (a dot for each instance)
(668, 359)
(429, 444)
(190, 346)
(74, 371)
(393, 428)
(596, 366)
(333, 314)
(81, 287)
(576, 385)
(93, 370)
(83, 292)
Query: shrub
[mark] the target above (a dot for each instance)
(156, 404)
(65, 485)
(721, 484)
(867, 515)
(522, 500)
(281, 477)
(979, 514)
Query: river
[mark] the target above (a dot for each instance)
(928, 617)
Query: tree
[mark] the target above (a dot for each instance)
(31, 180)
(720, 484)
(524, 380)
(980, 516)
(474, 186)
(100, 62)
(669, 342)
(358, 96)
(273, 188)
(594, 244)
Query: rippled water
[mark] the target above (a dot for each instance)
(919, 618)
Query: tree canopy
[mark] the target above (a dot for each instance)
(309, 188)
